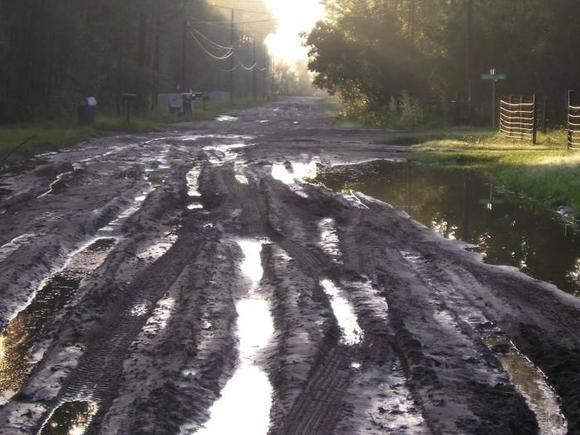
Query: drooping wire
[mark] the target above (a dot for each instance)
(226, 56)
(232, 69)
(228, 23)
(241, 10)
(230, 51)
(215, 44)
(247, 68)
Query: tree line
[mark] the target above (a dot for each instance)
(53, 53)
(372, 51)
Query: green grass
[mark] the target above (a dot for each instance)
(423, 136)
(546, 172)
(21, 141)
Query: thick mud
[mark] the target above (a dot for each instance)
(193, 282)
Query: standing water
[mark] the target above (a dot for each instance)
(244, 406)
(462, 204)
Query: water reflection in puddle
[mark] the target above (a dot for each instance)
(532, 384)
(112, 229)
(23, 332)
(461, 204)
(291, 173)
(157, 177)
(58, 185)
(193, 182)
(70, 418)
(226, 118)
(329, 241)
(244, 406)
(344, 312)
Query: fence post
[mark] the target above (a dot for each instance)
(568, 118)
(535, 120)
(545, 116)
(520, 107)
(511, 101)
(493, 105)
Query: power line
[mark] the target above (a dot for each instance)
(241, 10)
(239, 22)
(247, 68)
(254, 67)
(215, 44)
(210, 54)
(229, 70)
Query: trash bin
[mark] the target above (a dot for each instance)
(87, 111)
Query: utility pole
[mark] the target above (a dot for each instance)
(412, 18)
(232, 58)
(184, 48)
(157, 54)
(468, 62)
(254, 72)
(265, 72)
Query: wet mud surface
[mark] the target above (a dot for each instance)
(192, 282)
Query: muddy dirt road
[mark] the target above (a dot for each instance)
(191, 282)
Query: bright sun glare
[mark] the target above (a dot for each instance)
(292, 18)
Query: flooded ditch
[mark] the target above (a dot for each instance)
(462, 204)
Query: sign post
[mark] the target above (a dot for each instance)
(494, 78)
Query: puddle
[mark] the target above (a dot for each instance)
(226, 118)
(461, 204)
(225, 147)
(291, 173)
(224, 153)
(343, 310)
(193, 182)
(329, 241)
(532, 384)
(239, 173)
(157, 177)
(58, 185)
(383, 404)
(23, 332)
(242, 179)
(70, 418)
(192, 178)
(114, 226)
(245, 402)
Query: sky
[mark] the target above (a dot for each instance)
(292, 18)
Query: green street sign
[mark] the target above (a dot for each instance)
(494, 77)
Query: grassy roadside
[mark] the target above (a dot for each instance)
(23, 141)
(546, 172)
